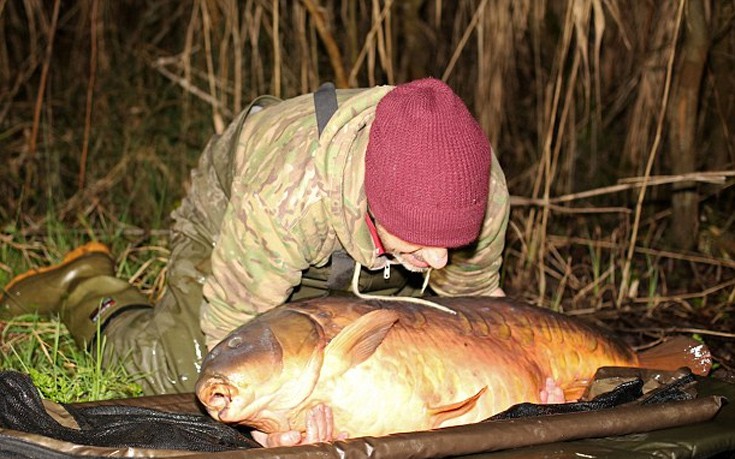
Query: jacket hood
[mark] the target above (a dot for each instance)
(342, 147)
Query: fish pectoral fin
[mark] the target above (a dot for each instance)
(574, 390)
(445, 412)
(357, 342)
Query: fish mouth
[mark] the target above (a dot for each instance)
(217, 395)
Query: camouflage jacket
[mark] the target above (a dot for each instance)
(297, 197)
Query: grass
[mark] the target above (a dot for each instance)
(61, 371)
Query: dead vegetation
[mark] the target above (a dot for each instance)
(613, 120)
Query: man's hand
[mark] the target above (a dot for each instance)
(319, 428)
(289, 438)
(552, 393)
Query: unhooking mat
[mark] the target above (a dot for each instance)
(637, 414)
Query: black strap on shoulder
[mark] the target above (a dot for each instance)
(325, 104)
(342, 265)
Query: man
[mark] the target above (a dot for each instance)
(280, 210)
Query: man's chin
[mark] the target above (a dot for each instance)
(409, 266)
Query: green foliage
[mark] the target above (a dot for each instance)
(61, 371)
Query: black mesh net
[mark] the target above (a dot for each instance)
(115, 426)
(626, 392)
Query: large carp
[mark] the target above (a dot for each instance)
(386, 367)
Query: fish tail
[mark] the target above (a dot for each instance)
(680, 351)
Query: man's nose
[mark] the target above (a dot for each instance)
(436, 257)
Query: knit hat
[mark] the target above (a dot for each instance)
(427, 166)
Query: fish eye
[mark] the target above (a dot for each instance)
(234, 342)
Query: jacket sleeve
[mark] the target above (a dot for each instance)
(255, 266)
(475, 269)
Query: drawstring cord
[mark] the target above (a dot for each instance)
(409, 299)
(427, 276)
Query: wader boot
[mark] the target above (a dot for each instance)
(82, 289)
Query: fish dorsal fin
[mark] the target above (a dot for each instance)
(357, 342)
(442, 413)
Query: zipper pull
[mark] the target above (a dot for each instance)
(386, 271)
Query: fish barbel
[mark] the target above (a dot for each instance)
(386, 367)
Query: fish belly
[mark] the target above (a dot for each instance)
(436, 361)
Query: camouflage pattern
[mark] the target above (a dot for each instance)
(269, 205)
(297, 198)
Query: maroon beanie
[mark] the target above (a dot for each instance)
(427, 166)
